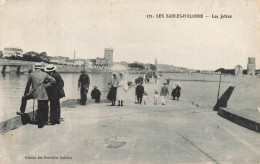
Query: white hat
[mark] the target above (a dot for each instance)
(39, 65)
(50, 68)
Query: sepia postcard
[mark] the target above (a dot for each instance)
(130, 81)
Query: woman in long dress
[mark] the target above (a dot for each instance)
(121, 90)
(113, 89)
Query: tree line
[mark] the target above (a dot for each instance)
(32, 56)
(141, 66)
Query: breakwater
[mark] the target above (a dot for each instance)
(25, 66)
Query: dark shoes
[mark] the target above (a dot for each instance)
(51, 123)
(20, 113)
(120, 104)
(40, 125)
(54, 122)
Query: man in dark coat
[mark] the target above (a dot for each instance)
(95, 94)
(178, 91)
(83, 86)
(139, 91)
(38, 82)
(55, 93)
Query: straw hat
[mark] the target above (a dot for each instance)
(39, 66)
(50, 68)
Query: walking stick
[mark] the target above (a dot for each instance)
(33, 112)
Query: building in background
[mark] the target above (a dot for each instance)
(101, 61)
(251, 66)
(105, 62)
(59, 59)
(238, 70)
(79, 62)
(11, 51)
(156, 62)
(108, 56)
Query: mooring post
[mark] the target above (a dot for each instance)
(18, 69)
(3, 70)
(219, 87)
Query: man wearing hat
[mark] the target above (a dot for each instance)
(55, 93)
(83, 86)
(36, 86)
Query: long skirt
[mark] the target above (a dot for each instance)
(112, 94)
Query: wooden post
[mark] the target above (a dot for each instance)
(18, 70)
(219, 86)
(3, 70)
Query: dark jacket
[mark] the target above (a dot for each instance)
(178, 91)
(56, 91)
(37, 83)
(139, 90)
(83, 81)
(164, 91)
(95, 93)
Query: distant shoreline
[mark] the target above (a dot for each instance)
(26, 66)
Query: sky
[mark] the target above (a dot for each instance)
(59, 27)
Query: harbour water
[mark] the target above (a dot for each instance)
(12, 88)
(202, 93)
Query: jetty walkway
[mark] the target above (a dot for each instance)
(177, 132)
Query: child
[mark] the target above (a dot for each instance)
(145, 97)
(95, 94)
(156, 96)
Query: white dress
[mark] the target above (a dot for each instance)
(122, 90)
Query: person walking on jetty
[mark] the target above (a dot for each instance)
(155, 78)
(176, 92)
(164, 93)
(113, 89)
(139, 91)
(36, 86)
(95, 94)
(145, 98)
(55, 93)
(156, 97)
(83, 86)
(168, 81)
(121, 90)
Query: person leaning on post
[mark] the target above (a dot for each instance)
(36, 86)
(55, 93)
(83, 86)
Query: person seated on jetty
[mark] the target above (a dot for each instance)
(156, 97)
(145, 97)
(139, 91)
(95, 94)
